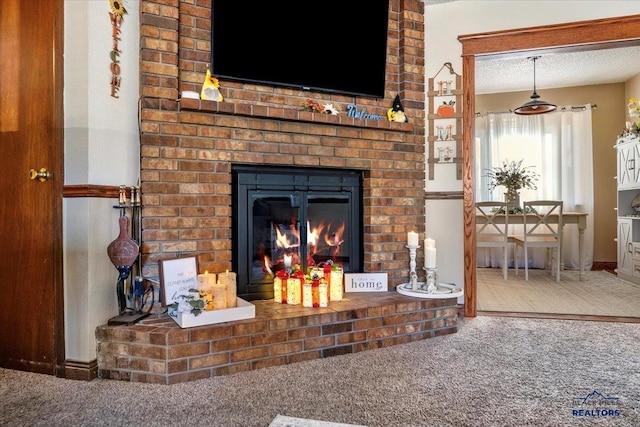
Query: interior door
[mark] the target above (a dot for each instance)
(31, 162)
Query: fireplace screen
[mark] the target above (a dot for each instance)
(288, 219)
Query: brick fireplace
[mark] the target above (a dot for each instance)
(189, 146)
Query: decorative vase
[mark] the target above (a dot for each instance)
(512, 197)
(123, 251)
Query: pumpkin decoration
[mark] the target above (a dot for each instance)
(446, 110)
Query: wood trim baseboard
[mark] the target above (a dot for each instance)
(83, 371)
(90, 190)
(582, 317)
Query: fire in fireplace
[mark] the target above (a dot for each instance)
(288, 218)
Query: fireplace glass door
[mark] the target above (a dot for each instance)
(289, 223)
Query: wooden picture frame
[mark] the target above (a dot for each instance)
(177, 276)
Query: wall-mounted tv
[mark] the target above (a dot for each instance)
(332, 46)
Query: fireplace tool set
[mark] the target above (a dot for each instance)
(135, 299)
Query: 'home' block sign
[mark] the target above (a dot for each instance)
(365, 282)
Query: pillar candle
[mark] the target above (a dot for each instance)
(430, 254)
(219, 296)
(412, 238)
(206, 281)
(228, 279)
(429, 243)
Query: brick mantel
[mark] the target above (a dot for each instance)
(288, 113)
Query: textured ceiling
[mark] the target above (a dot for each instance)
(554, 70)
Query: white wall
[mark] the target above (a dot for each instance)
(101, 148)
(444, 22)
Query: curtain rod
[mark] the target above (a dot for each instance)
(566, 108)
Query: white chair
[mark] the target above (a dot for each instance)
(492, 225)
(542, 229)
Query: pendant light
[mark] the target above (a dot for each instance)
(536, 105)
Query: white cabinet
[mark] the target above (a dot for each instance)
(628, 164)
(625, 246)
(628, 155)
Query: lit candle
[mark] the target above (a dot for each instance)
(429, 253)
(412, 238)
(287, 262)
(206, 281)
(219, 296)
(228, 279)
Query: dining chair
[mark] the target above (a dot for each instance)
(542, 228)
(492, 225)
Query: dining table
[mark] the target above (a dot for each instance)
(573, 218)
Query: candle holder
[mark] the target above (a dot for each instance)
(431, 284)
(412, 265)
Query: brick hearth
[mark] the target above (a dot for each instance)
(157, 350)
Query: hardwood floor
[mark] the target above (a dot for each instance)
(608, 267)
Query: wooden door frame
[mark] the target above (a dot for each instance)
(58, 169)
(575, 36)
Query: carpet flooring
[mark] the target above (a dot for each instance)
(601, 294)
(495, 371)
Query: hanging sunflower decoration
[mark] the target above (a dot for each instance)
(117, 7)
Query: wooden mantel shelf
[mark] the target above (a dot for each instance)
(282, 113)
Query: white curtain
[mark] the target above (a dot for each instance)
(558, 147)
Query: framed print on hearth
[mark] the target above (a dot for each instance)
(177, 276)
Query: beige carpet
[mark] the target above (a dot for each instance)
(601, 294)
(494, 372)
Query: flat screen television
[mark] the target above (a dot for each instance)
(332, 46)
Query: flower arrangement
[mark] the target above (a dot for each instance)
(194, 302)
(316, 107)
(513, 176)
(633, 107)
